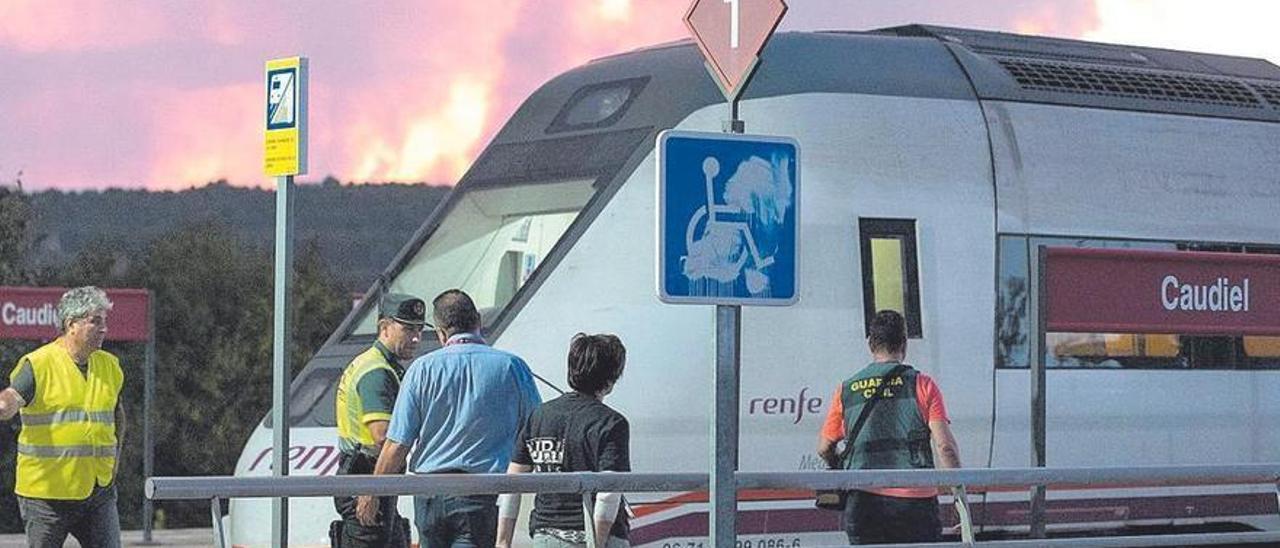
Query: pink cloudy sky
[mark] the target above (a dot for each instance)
(167, 95)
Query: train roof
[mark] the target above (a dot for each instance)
(941, 62)
(641, 92)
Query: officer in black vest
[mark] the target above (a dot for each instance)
(890, 416)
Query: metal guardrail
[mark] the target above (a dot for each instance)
(215, 488)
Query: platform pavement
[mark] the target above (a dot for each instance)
(168, 538)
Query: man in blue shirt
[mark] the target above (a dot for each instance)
(459, 408)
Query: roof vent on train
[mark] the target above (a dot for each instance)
(1142, 84)
(1010, 67)
(1270, 92)
(1003, 43)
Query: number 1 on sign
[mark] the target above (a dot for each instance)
(733, 23)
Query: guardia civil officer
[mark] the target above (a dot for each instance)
(458, 412)
(366, 396)
(68, 395)
(890, 416)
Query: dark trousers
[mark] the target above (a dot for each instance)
(94, 521)
(389, 531)
(456, 522)
(876, 519)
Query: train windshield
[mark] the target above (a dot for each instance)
(489, 243)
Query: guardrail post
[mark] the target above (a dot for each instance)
(961, 501)
(588, 515)
(215, 511)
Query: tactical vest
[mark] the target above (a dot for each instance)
(68, 439)
(353, 434)
(894, 435)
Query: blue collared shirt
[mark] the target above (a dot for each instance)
(461, 407)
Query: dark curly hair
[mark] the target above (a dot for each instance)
(595, 361)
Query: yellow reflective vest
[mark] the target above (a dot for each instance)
(68, 439)
(352, 418)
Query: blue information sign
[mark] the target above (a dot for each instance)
(728, 208)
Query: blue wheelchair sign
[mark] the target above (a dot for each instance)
(728, 212)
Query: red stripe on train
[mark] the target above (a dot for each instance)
(995, 514)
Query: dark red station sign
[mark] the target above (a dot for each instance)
(1146, 291)
(30, 313)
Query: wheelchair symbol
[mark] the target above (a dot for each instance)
(720, 241)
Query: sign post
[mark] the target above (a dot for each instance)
(728, 217)
(1083, 290)
(148, 424)
(731, 34)
(1038, 460)
(284, 157)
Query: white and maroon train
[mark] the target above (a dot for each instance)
(935, 160)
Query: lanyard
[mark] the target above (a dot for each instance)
(464, 340)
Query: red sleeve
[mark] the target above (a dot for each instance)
(833, 427)
(929, 398)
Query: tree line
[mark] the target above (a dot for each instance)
(212, 297)
(356, 228)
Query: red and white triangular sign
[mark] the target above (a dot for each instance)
(731, 34)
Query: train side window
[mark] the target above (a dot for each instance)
(890, 272)
(1115, 350)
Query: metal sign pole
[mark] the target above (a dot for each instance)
(724, 435)
(285, 155)
(1038, 391)
(281, 373)
(148, 403)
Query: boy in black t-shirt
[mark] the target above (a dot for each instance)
(575, 432)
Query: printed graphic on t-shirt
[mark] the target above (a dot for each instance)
(547, 454)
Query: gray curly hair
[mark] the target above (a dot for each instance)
(81, 302)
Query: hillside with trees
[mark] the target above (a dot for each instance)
(357, 229)
(205, 254)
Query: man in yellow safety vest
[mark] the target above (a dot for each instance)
(68, 395)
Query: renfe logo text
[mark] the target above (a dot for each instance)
(797, 406)
(1220, 296)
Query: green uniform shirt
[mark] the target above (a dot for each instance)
(375, 375)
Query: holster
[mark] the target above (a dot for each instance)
(359, 463)
(401, 536)
(355, 464)
(335, 533)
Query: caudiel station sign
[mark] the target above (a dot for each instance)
(30, 313)
(1220, 296)
(1148, 291)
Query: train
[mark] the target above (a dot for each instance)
(936, 161)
